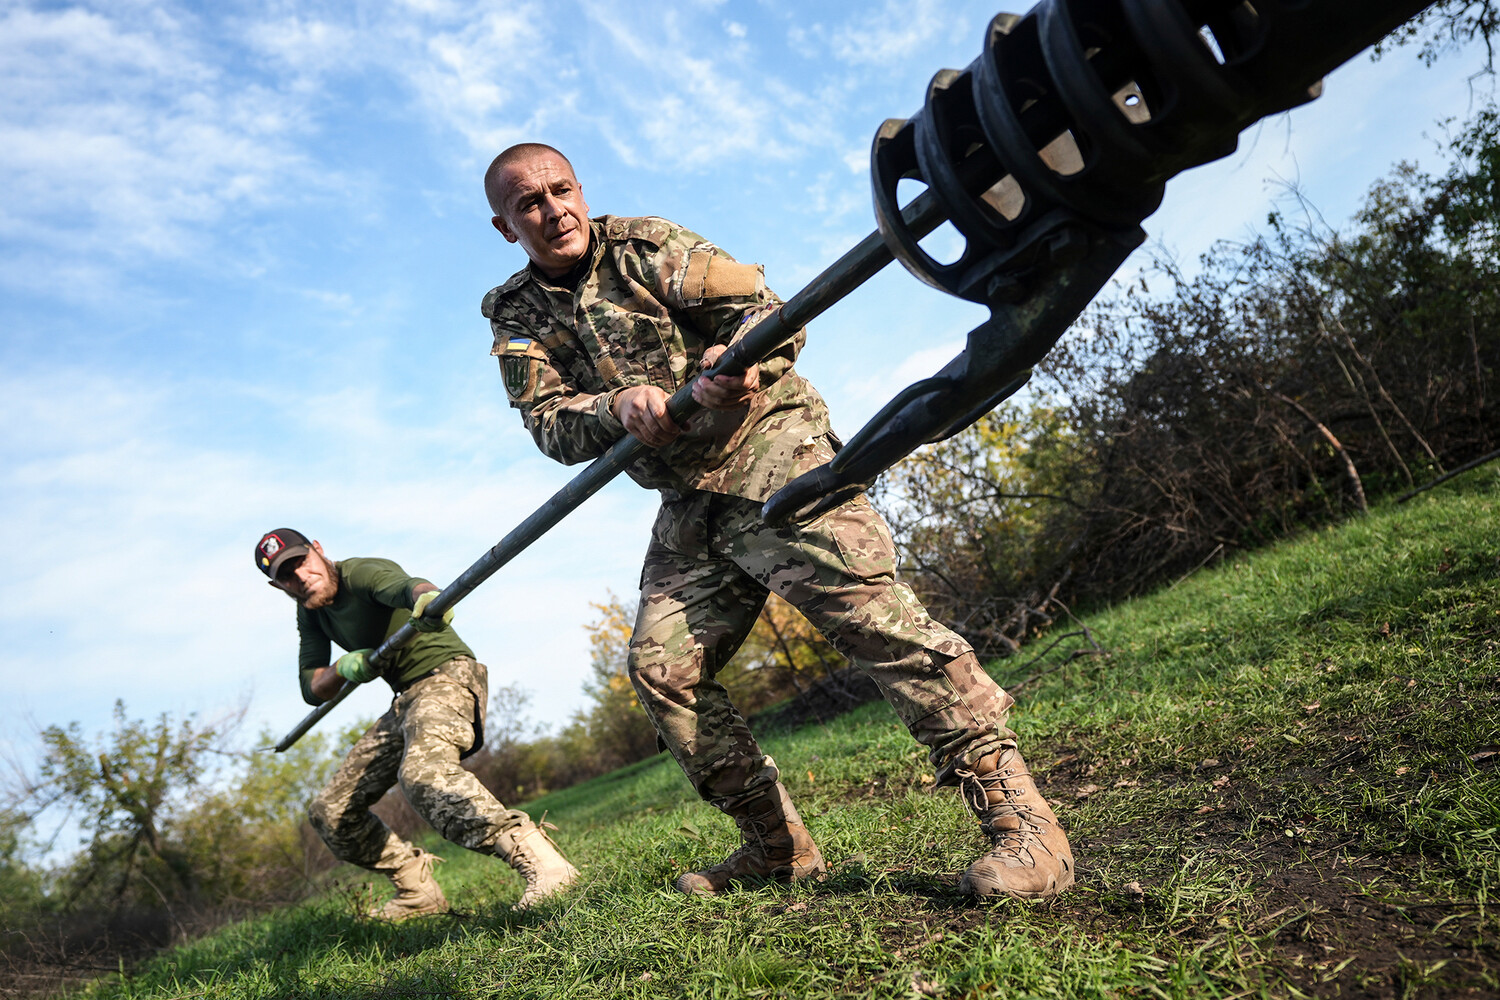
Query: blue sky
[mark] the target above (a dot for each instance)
(242, 248)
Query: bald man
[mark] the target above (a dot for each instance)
(609, 318)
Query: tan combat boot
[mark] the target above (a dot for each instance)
(775, 846)
(1030, 858)
(537, 860)
(417, 892)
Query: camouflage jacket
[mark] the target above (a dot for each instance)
(654, 298)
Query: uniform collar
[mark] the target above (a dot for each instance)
(586, 263)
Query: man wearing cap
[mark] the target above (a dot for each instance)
(436, 719)
(611, 316)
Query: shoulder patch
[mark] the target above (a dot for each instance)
(519, 365)
(646, 228)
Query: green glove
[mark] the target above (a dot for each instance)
(355, 666)
(427, 624)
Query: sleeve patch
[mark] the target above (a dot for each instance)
(725, 278)
(710, 276)
(519, 368)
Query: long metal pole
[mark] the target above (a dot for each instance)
(847, 273)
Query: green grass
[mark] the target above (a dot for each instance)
(1283, 779)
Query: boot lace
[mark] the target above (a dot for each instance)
(1003, 815)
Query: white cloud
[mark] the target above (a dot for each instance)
(890, 34)
(307, 46)
(136, 538)
(684, 109)
(120, 137)
(478, 77)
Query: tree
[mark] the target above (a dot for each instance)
(1446, 26)
(784, 653)
(125, 790)
(617, 725)
(246, 840)
(981, 521)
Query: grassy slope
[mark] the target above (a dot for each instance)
(1282, 778)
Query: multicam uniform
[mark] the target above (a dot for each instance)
(436, 719)
(650, 298)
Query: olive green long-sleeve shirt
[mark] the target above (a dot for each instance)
(374, 600)
(654, 297)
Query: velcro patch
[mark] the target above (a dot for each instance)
(709, 276)
(605, 366)
(727, 277)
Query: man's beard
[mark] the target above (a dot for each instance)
(321, 600)
(324, 598)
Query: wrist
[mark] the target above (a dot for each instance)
(608, 412)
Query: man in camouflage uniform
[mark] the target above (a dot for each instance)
(610, 317)
(436, 719)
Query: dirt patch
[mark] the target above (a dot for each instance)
(1336, 923)
(50, 955)
(1354, 928)
(1331, 917)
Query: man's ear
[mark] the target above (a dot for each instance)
(503, 228)
(318, 547)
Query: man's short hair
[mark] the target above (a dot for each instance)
(514, 154)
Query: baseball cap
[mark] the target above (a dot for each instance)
(277, 546)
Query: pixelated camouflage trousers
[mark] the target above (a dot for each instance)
(709, 567)
(417, 742)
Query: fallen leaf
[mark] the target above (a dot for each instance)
(1204, 810)
(926, 779)
(1313, 707)
(1402, 770)
(810, 778)
(1086, 791)
(923, 985)
(1208, 762)
(1133, 889)
(1125, 783)
(1222, 782)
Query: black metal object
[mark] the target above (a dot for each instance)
(1045, 153)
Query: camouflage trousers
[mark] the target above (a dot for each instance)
(709, 567)
(417, 742)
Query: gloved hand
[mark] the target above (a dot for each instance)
(426, 624)
(355, 666)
